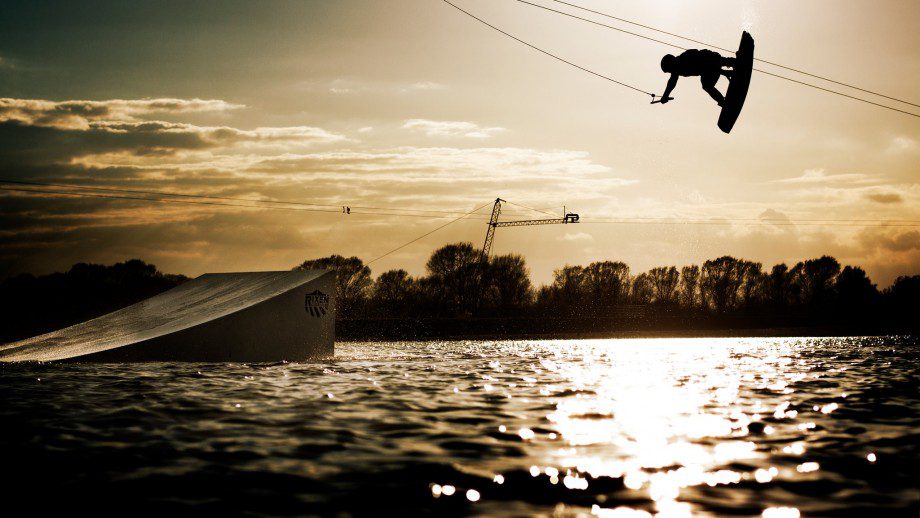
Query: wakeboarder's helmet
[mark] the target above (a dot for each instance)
(667, 63)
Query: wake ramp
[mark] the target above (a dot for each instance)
(239, 317)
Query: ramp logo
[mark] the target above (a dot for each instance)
(317, 304)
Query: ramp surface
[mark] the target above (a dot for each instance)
(253, 316)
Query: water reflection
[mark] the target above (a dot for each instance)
(778, 427)
(668, 417)
(665, 418)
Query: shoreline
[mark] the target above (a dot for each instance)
(752, 332)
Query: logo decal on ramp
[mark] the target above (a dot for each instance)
(317, 304)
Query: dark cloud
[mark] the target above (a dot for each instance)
(26, 145)
(904, 242)
(776, 218)
(885, 198)
(893, 242)
(80, 114)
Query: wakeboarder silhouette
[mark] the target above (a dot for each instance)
(709, 66)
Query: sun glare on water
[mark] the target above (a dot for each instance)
(666, 415)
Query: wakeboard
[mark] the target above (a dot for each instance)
(739, 83)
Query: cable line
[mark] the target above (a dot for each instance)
(672, 219)
(550, 54)
(799, 71)
(541, 211)
(828, 90)
(609, 220)
(426, 234)
(83, 194)
(214, 197)
(803, 83)
(780, 223)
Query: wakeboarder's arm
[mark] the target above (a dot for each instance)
(672, 82)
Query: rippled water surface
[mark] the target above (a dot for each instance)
(779, 427)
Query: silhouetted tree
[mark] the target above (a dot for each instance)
(642, 290)
(352, 280)
(813, 281)
(719, 283)
(854, 291)
(777, 289)
(664, 281)
(752, 281)
(902, 303)
(690, 285)
(507, 283)
(394, 293)
(454, 270)
(33, 305)
(606, 283)
(566, 292)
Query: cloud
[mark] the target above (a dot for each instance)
(577, 237)
(81, 114)
(903, 143)
(884, 197)
(426, 85)
(819, 176)
(451, 128)
(124, 146)
(883, 241)
(349, 86)
(906, 241)
(40, 131)
(775, 218)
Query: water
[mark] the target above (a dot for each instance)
(623, 427)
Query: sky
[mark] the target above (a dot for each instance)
(411, 105)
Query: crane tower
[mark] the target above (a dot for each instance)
(568, 217)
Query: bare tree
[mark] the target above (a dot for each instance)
(690, 285)
(664, 281)
(752, 279)
(777, 292)
(606, 282)
(507, 282)
(813, 280)
(720, 281)
(642, 290)
(567, 290)
(394, 293)
(454, 271)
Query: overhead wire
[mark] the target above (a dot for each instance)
(779, 76)
(541, 211)
(426, 234)
(83, 194)
(768, 62)
(611, 220)
(749, 221)
(216, 197)
(548, 53)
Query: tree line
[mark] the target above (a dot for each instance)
(455, 284)
(33, 304)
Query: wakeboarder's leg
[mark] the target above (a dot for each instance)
(709, 84)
